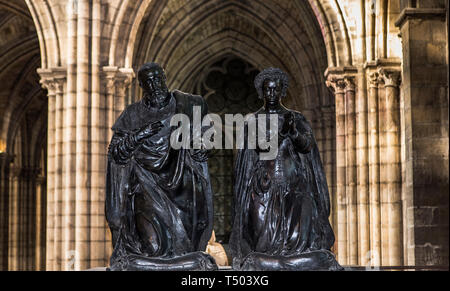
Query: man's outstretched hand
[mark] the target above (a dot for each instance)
(149, 130)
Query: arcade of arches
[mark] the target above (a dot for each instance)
(370, 75)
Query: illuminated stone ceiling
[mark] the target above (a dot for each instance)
(282, 34)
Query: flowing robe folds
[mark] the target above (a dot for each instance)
(158, 199)
(281, 206)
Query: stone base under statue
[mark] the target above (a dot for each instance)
(196, 261)
(322, 260)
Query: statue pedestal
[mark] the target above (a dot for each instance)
(221, 268)
(97, 269)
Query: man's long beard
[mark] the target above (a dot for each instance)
(158, 97)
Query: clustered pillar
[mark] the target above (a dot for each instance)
(340, 225)
(390, 170)
(23, 220)
(77, 234)
(374, 171)
(55, 82)
(368, 223)
(350, 169)
(84, 100)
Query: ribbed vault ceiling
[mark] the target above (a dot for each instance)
(22, 101)
(282, 33)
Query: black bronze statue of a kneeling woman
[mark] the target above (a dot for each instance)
(281, 206)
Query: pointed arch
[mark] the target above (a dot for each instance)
(334, 29)
(46, 28)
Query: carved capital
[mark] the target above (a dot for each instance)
(110, 83)
(53, 80)
(349, 83)
(373, 80)
(123, 81)
(341, 79)
(117, 80)
(59, 84)
(49, 85)
(390, 78)
(127, 75)
(109, 79)
(337, 84)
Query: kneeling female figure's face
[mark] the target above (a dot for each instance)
(272, 90)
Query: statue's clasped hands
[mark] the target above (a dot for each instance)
(288, 126)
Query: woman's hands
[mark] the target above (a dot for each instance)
(299, 132)
(288, 126)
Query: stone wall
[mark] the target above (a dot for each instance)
(425, 104)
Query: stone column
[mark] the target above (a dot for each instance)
(328, 158)
(110, 90)
(14, 222)
(55, 198)
(115, 82)
(350, 169)
(27, 217)
(81, 113)
(66, 244)
(390, 170)
(5, 161)
(77, 234)
(374, 171)
(41, 226)
(54, 80)
(83, 105)
(81, 235)
(424, 92)
(22, 219)
(98, 240)
(339, 89)
(362, 170)
(52, 158)
(384, 218)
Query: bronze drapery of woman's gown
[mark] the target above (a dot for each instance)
(281, 207)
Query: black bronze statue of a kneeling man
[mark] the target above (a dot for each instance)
(158, 199)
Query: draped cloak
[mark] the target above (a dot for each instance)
(165, 191)
(281, 203)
